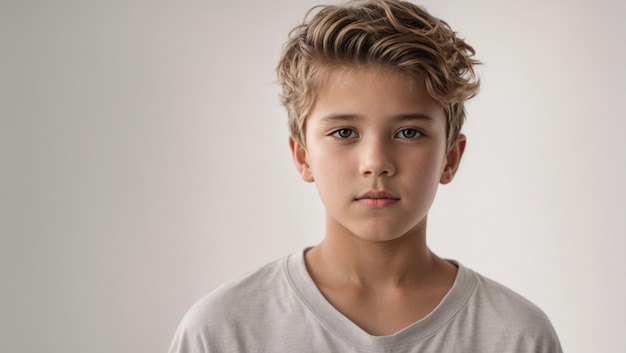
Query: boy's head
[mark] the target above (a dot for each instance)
(385, 34)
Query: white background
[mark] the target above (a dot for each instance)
(144, 161)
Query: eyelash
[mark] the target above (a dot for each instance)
(403, 132)
(338, 133)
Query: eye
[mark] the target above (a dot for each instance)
(408, 134)
(344, 133)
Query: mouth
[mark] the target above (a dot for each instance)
(377, 199)
(378, 195)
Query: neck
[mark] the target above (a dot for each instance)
(343, 258)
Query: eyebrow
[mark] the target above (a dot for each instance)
(397, 118)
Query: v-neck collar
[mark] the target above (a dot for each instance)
(335, 322)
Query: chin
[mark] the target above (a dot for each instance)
(388, 232)
(380, 236)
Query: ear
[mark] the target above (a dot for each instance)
(301, 160)
(453, 159)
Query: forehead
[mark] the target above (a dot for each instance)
(372, 92)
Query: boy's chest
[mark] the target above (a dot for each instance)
(383, 314)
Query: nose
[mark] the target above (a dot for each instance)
(376, 158)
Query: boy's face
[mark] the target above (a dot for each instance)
(376, 150)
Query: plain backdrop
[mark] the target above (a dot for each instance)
(144, 161)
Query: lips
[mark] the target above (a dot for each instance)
(376, 195)
(377, 199)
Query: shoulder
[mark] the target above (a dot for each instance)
(519, 321)
(238, 295)
(216, 316)
(501, 299)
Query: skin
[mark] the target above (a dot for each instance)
(376, 151)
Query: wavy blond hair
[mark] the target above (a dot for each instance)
(378, 33)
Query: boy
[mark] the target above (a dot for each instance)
(374, 92)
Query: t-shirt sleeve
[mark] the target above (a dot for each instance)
(520, 325)
(543, 339)
(188, 338)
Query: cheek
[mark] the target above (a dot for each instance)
(426, 170)
(332, 185)
(330, 168)
(333, 173)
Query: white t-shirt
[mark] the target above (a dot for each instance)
(278, 308)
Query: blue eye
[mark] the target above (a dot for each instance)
(344, 133)
(408, 134)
